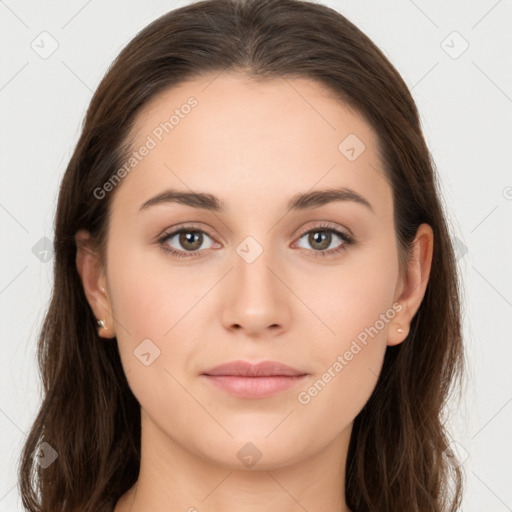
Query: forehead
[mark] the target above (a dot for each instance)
(267, 140)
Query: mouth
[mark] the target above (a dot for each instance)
(247, 380)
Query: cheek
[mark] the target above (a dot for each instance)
(351, 297)
(355, 306)
(150, 293)
(159, 311)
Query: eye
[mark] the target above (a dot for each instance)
(321, 238)
(188, 238)
(187, 241)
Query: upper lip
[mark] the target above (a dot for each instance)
(247, 369)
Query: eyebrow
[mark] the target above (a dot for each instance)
(303, 201)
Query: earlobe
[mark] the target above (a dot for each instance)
(91, 272)
(397, 335)
(413, 283)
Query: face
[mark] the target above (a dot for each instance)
(315, 286)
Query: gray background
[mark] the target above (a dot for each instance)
(465, 100)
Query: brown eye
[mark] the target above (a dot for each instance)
(322, 237)
(320, 240)
(190, 240)
(183, 241)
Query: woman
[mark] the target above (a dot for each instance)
(255, 302)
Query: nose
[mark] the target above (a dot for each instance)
(255, 298)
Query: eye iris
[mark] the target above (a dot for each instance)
(322, 238)
(186, 239)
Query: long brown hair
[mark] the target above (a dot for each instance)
(89, 415)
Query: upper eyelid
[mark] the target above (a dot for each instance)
(325, 227)
(191, 227)
(185, 227)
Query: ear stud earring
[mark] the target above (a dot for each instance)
(400, 330)
(102, 323)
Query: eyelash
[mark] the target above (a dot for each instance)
(347, 240)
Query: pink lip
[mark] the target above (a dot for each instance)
(253, 387)
(248, 380)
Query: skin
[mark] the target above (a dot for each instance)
(254, 145)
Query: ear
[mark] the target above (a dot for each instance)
(91, 271)
(412, 285)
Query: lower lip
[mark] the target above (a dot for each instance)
(254, 387)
